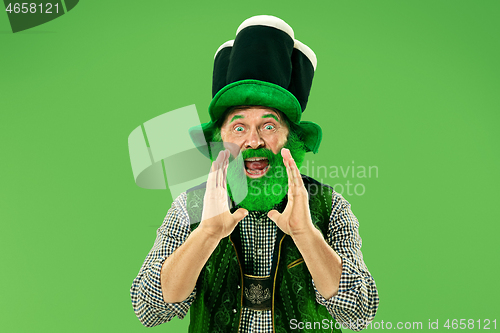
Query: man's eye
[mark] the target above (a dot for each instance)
(269, 127)
(239, 129)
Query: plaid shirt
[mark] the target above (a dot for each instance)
(357, 297)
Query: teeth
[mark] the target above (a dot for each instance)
(253, 159)
(258, 172)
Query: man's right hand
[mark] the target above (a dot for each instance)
(217, 220)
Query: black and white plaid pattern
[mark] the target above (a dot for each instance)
(357, 297)
(258, 234)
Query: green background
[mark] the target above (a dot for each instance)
(408, 86)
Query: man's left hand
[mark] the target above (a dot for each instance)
(296, 218)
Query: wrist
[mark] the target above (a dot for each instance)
(307, 237)
(207, 234)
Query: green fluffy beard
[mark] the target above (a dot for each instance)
(263, 193)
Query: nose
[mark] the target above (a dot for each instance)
(254, 140)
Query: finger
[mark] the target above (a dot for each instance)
(289, 173)
(211, 181)
(290, 192)
(240, 214)
(297, 174)
(286, 157)
(224, 167)
(220, 163)
(274, 215)
(294, 170)
(286, 154)
(289, 169)
(289, 180)
(297, 177)
(292, 189)
(219, 174)
(224, 176)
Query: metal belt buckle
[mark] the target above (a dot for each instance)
(257, 292)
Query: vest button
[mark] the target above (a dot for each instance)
(234, 310)
(239, 286)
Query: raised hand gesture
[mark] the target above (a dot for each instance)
(296, 218)
(217, 220)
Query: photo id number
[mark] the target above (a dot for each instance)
(32, 8)
(470, 324)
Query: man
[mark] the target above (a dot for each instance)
(258, 247)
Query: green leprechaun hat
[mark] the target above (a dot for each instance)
(265, 66)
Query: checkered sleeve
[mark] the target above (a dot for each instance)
(146, 294)
(357, 299)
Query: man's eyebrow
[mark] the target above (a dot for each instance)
(271, 116)
(236, 117)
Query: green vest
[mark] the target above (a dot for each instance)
(219, 296)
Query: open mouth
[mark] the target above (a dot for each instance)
(256, 167)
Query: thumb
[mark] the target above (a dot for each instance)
(274, 215)
(240, 214)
